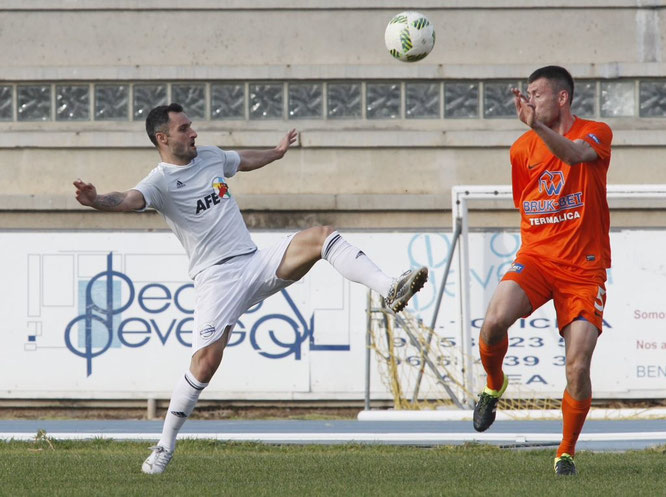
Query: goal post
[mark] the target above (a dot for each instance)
(460, 197)
(463, 375)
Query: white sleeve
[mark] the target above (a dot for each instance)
(231, 162)
(150, 188)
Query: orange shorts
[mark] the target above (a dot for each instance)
(577, 293)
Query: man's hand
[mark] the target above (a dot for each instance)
(524, 109)
(254, 159)
(86, 193)
(568, 151)
(286, 142)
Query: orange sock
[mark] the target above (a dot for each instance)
(574, 413)
(492, 357)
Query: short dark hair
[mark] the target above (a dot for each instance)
(158, 118)
(559, 76)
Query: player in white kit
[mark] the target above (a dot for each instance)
(189, 188)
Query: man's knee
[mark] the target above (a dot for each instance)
(203, 367)
(507, 305)
(494, 328)
(577, 369)
(205, 361)
(321, 234)
(325, 232)
(316, 235)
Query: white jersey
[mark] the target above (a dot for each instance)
(196, 203)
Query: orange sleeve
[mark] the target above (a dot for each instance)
(518, 169)
(598, 136)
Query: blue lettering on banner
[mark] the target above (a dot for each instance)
(651, 371)
(432, 249)
(428, 250)
(102, 326)
(497, 241)
(539, 323)
(484, 282)
(537, 378)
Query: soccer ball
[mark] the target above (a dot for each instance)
(409, 36)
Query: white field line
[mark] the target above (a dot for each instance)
(522, 415)
(655, 436)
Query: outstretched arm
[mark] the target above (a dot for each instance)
(86, 194)
(571, 152)
(254, 159)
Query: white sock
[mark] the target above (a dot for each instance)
(184, 398)
(354, 265)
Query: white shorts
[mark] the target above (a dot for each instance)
(225, 291)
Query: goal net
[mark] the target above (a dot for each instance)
(435, 364)
(425, 368)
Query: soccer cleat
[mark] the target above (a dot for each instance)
(486, 408)
(405, 287)
(157, 461)
(564, 465)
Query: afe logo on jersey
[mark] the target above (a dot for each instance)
(204, 203)
(222, 190)
(221, 187)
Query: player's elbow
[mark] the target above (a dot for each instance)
(136, 206)
(571, 161)
(133, 200)
(580, 153)
(576, 157)
(246, 165)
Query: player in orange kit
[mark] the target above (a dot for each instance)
(559, 170)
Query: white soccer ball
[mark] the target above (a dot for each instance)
(409, 36)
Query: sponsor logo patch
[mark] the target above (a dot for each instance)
(221, 187)
(594, 137)
(207, 331)
(551, 182)
(516, 268)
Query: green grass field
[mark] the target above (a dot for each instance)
(202, 468)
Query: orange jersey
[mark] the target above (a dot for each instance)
(564, 211)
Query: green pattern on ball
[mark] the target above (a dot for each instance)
(395, 53)
(406, 40)
(399, 19)
(414, 58)
(421, 23)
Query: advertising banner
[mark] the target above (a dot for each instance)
(102, 315)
